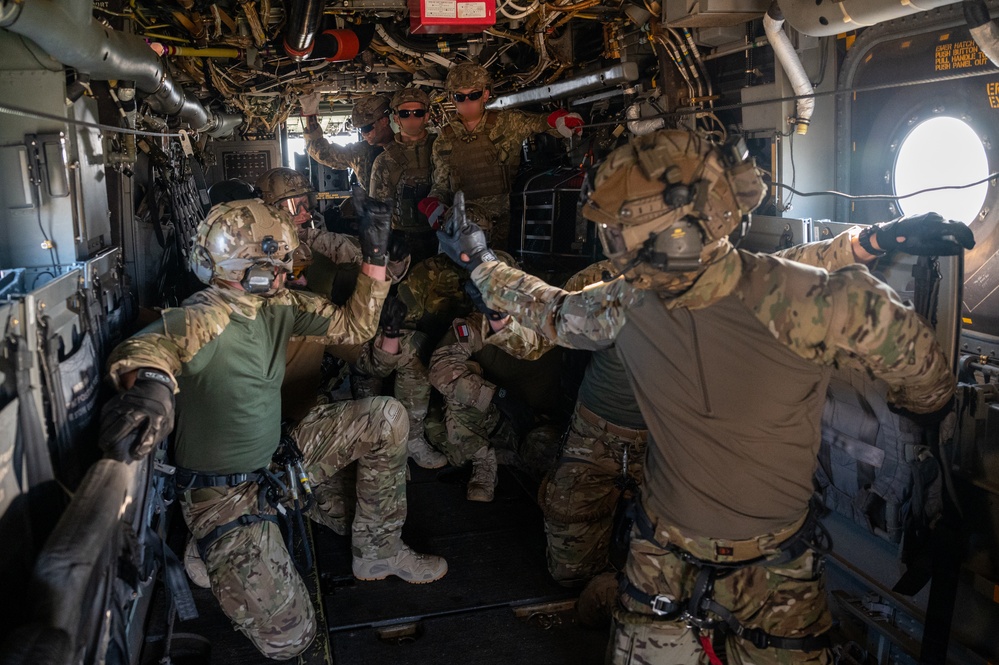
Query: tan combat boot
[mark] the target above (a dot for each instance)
(406, 564)
(422, 454)
(482, 484)
(196, 569)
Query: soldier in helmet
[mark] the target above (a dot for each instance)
(402, 173)
(370, 116)
(724, 544)
(220, 359)
(332, 262)
(479, 151)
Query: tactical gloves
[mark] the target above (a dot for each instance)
(375, 227)
(394, 313)
(925, 235)
(464, 237)
(566, 123)
(513, 409)
(433, 209)
(398, 246)
(134, 421)
(310, 104)
(480, 304)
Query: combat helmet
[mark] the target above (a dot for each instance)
(244, 241)
(666, 199)
(283, 183)
(412, 94)
(467, 75)
(368, 110)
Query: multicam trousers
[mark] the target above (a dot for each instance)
(252, 574)
(579, 497)
(787, 600)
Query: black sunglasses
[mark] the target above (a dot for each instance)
(367, 128)
(405, 113)
(461, 96)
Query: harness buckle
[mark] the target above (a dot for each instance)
(757, 637)
(663, 605)
(698, 622)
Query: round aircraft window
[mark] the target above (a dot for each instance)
(942, 151)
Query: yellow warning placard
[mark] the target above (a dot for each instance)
(958, 55)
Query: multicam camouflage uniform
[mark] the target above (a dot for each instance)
(228, 421)
(465, 368)
(359, 156)
(402, 174)
(579, 497)
(483, 163)
(728, 472)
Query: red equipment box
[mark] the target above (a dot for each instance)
(428, 17)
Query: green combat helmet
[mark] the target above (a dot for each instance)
(467, 75)
(410, 95)
(368, 110)
(247, 242)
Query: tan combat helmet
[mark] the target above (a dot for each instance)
(410, 95)
(467, 75)
(368, 110)
(670, 189)
(283, 183)
(243, 242)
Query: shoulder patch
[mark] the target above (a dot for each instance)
(461, 330)
(175, 322)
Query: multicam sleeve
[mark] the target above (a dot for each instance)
(518, 125)
(831, 254)
(870, 326)
(382, 180)
(520, 342)
(337, 247)
(353, 323)
(169, 342)
(452, 370)
(589, 319)
(330, 154)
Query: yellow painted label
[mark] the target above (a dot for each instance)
(958, 55)
(992, 91)
(965, 319)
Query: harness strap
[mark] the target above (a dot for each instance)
(243, 520)
(761, 639)
(188, 479)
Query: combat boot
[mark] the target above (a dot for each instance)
(406, 564)
(423, 455)
(194, 566)
(482, 484)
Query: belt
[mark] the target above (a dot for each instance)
(639, 435)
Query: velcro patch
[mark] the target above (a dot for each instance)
(462, 331)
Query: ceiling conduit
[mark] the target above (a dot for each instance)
(67, 31)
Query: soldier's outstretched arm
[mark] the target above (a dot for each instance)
(353, 323)
(337, 247)
(324, 152)
(869, 325)
(589, 319)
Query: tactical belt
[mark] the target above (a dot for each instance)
(639, 435)
(694, 611)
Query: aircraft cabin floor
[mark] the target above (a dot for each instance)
(497, 604)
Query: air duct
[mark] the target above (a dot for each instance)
(67, 31)
(773, 24)
(639, 127)
(983, 29)
(824, 19)
(303, 23)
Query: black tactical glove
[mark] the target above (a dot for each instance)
(398, 248)
(513, 409)
(394, 313)
(375, 227)
(473, 292)
(925, 235)
(134, 421)
(460, 235)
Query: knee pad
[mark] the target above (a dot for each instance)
(395, 416)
